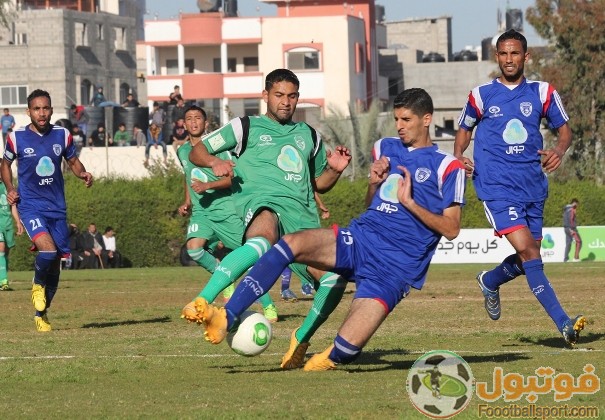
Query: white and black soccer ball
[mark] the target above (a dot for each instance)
(253, 335)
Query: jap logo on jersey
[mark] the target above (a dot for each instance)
(300, 142)
(57, 149)
(526, 108)
(422, 174)
(265, 140)
(289, 160)
(45, 166)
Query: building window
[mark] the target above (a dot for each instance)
(303, 59)
(13, 96)
(250, 63)
(85, 92)
(360, 59)
(172, 66)
(100, 36)
(20, 38)
(231, 63)
(124, 91)
(81, 35)
(251, 107)
(120, 41)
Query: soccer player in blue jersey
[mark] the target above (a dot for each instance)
(414, 197)
(509, 172)
(39, 149)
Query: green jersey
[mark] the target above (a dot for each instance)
(275, 164)
(6, 217)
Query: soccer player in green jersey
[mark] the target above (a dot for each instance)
(8, 213)
(208, 199)
(279, 163)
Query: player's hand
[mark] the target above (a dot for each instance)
(87, 178)
(222, 167)
(404, 192)
(20, 229)
(199, 186)
(551, 159)
(184, 209)
(338, 159)
(325, 214)
(379, 170)
(469, 165)
(12, 197)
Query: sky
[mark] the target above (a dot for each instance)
(472, 20)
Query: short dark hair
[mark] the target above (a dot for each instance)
(38, 93)
(280, 75)
(575, 200)
(415, 99)
(512, 34)
(121, 125)
(108, 228)
(196, 108)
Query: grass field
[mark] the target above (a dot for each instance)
(119, 350)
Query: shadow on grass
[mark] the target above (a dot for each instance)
(557, 342)
(127, 322)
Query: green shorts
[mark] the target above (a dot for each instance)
(291, 218)
(8, 237)
(230, 231)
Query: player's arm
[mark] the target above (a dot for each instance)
(7, 177)
(200, 156)
(447, 224)
(17, 220)
(461, 143)
(379, 171)
(186, 206)
(552, 158)
(338, 160)
(220, 184)
(79, 170)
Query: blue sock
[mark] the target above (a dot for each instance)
(286, 276)
(541, 288)
(52, 283)
(343, 351)
(505, 272)
(43, 261)
(259, 280)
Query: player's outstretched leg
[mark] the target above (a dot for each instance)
(295, 356)
(491, 298)
(213, 319)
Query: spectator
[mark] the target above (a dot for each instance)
(94, 252)
(75, 247)
(178, 111)
(8, 123)
(79, 116)
(179, 134)
(122, 137)
(138, 137)
(114, 258)
(175, 95)
(98, 137)
(98, 98)
(571, 230)
(130, 102)
(78, 137)
(157, 115)
(155, 138)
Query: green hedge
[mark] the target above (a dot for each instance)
(150, 232)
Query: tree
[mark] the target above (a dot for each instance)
(7, 12)
(574, 29)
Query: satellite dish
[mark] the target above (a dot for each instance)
(208, 5)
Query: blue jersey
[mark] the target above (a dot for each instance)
(398, 246)
(508, 138)
(39, 157)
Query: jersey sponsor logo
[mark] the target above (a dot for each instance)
(29, 152)
(57, 149)
(45, 166)
(526, 108)
(265, 140)
(422, 174)
(387, 208)
(198, 174)
(388, 189)
(515, 135)
(289, 160)
(494, 111)
(216, 141)
(300, 142)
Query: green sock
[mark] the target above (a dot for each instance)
(265, 300)
(3, 270)
(233, 266)
(203, 259)
(326, 299)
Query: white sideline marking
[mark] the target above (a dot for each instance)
(204, 356)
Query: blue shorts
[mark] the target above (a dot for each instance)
(352, 263)
(36, 224)
(508, 216)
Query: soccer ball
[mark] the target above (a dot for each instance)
(253, 335)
